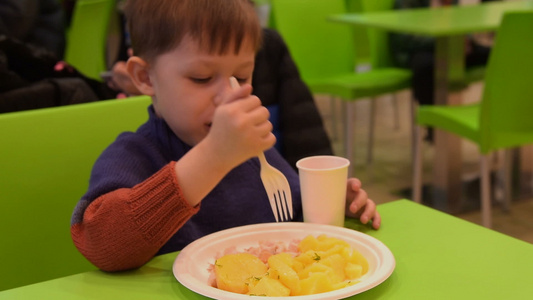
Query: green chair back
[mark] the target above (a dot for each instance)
(319, 48)
(86, 48)
(45, 164)
(325, 51)
(502, 118)
(372, 44)
(505, 113)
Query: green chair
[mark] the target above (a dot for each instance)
(371, 44)
(326, 56)
(502, 119)
(86, 47)
(378, 53)
(372, 49)
(45, 164)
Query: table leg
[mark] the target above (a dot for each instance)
(526, 171)
(349, 133)
(449, 67)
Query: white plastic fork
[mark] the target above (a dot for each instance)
(278, 190)
(276, 185)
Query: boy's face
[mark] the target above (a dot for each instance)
(187, 81)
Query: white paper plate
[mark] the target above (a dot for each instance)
(191, 266)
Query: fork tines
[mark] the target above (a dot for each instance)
(283, 206)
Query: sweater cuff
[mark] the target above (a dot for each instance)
(158, 206)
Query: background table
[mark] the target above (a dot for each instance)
(438, 256)
(448, 25)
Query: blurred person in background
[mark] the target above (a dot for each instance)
(417, 53)
(37, 22)
(32, 73)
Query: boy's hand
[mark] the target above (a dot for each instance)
(359, 206)
(240, 128)
(121, 80)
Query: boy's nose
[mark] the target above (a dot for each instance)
(224, 87)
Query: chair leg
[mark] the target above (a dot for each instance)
(507, 179)
(396, 111)
(333, 112)
(371, 129)
(412, 118)
(485, 191)
(502, 189)
(370, 146)
(417, 165)
(498, 187)
(349, 134)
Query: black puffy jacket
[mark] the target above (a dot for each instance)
(277, 82)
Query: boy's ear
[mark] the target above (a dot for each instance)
(138, 69)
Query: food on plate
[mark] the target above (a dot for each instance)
(319, 264)
(235, 271)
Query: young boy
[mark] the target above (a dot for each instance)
(191, 169)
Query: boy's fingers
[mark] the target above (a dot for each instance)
(376, 221)
(359, 201)
(235, 94)
(355, 184)
(370, 210)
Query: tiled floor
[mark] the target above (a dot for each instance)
(389, 177)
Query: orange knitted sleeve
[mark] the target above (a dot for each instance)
(125, 228)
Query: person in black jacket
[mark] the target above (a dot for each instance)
(417, 53)
(32, 75)
(277, 82)
(37, 22)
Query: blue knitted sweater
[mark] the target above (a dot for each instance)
(133, 179)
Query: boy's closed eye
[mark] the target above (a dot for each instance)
(200, 80)
(241, 80)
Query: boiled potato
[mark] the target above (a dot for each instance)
(353, 271)
(315, 283)
(308, 243)
(269, 287)
(309, 257)
(281, 269)
(344, 284)
(325, 243)
(356, 258)
(337, 264)
(235, 271)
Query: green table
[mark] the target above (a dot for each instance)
(438, 22)
(438, 256)
(448, 25)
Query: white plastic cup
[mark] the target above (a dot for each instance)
(323, 188)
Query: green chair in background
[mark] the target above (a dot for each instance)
(372, 45)
(502, 119)
(86, 47)
(45, 163)
(377, 53)
(326, 56)
(372, 49)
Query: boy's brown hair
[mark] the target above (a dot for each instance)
(158, 26)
